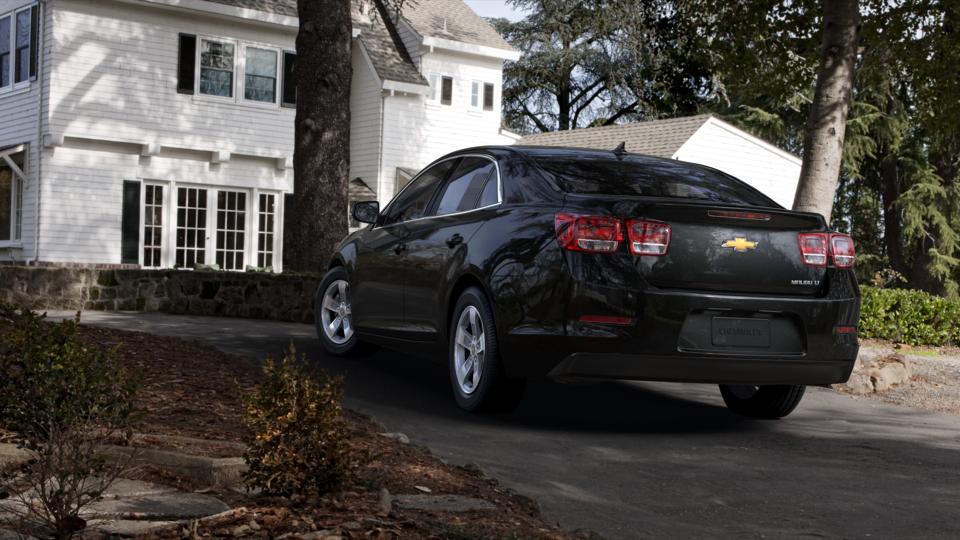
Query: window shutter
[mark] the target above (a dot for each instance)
(289, 98)
(446, 91)
(34, 40)
(130, 224)
(186, 66)
(487, 97)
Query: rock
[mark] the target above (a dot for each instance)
(386, 502)
(241, 530)
(423, 489)
(894, 373)
(403, 439)
(859, 383)
(254, 526)
(444, 503)
(130, 527)
(315, 535)
(164, 506)
(352, 525)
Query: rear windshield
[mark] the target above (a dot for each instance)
(638, 175)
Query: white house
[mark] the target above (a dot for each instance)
(159, 133)
(703, 139)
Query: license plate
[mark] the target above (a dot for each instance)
(737, 332)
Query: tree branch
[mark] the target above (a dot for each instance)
(536, 121)
(626, 110)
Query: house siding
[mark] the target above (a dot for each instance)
(418, 131)
(773, 173)
(365, 120)
(20, 115)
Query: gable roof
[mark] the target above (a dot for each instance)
(453, 20)
(661, 138)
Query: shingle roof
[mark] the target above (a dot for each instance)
(389, 58)
(451, 19)
(654, 138)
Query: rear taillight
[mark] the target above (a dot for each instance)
(813, 248)
(648, 237)
(842, 250)
(597, 234)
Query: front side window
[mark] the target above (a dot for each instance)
(462, 192)
(216, 68)
(260, 77)
(412, 201)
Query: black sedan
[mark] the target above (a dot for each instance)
(520, 262)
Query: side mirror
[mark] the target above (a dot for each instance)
(366, 211)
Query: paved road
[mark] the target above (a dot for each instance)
(648, 460)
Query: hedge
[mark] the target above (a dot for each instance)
(908, 316)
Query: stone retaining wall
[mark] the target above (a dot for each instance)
(283, 297)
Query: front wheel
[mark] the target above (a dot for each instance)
(775, 401)
(476, 375)
(333, 315)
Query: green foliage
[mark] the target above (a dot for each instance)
(909, 316)
(64, 400)
(298, 443)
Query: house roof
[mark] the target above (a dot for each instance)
(280, 7)
(654, 138)
(451, 19)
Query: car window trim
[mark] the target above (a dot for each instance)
(441, 191)
(443, 183)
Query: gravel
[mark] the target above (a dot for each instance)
(934, 386)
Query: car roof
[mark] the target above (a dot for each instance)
(573, 152)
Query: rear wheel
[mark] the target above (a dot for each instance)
(762, 401)
(476, 374)
(333, 315)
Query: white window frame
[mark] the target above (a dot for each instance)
(476, 95)
(198, 69)
(274, 247)
(239, 72)
(19, 179)
(164, 222)
(433, 79)
(278, 73)
(12, 15)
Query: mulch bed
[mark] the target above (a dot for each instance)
(191, 390)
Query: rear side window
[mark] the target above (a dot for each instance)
(413, 200)
(463, 191)
(642, 176)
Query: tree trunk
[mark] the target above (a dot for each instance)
(823, 141)
(316, 216)
(892, 225)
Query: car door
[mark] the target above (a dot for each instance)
(437, 245)
(380, 271)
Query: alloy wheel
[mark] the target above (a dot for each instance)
(468, 350)
(335, 312)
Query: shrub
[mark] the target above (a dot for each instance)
(64, 401)
(298, 443)
(909, 316)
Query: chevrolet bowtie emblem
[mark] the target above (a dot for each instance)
(740, 244)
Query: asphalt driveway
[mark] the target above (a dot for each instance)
(639, 460)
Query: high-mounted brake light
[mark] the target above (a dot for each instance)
(756, 216)
(842, 250)
(813, 248)
(596, 234)
(648, 237)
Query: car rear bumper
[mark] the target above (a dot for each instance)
(702, 369)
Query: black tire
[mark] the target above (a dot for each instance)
(771, 402)
(494, 392)
(352, 346)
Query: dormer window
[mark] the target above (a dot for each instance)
(216, 68)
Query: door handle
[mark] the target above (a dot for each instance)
(398, 249)
(454, 241)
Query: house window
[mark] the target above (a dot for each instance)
(11, 190)
(446, 90)
(487, 97)
(231, 225)
(216, 68)
(260, 75)
(191, 227)
(475, 94)
(153, 226)
(22, 43)
(5, 48)
(265, 230)
(18, 57)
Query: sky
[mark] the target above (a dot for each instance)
(494, 8)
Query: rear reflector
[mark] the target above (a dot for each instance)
(813, 248)
(738, 215)
(606, 319)
(597, 234)
(842, 250)
(648, 237)
(846, 329)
